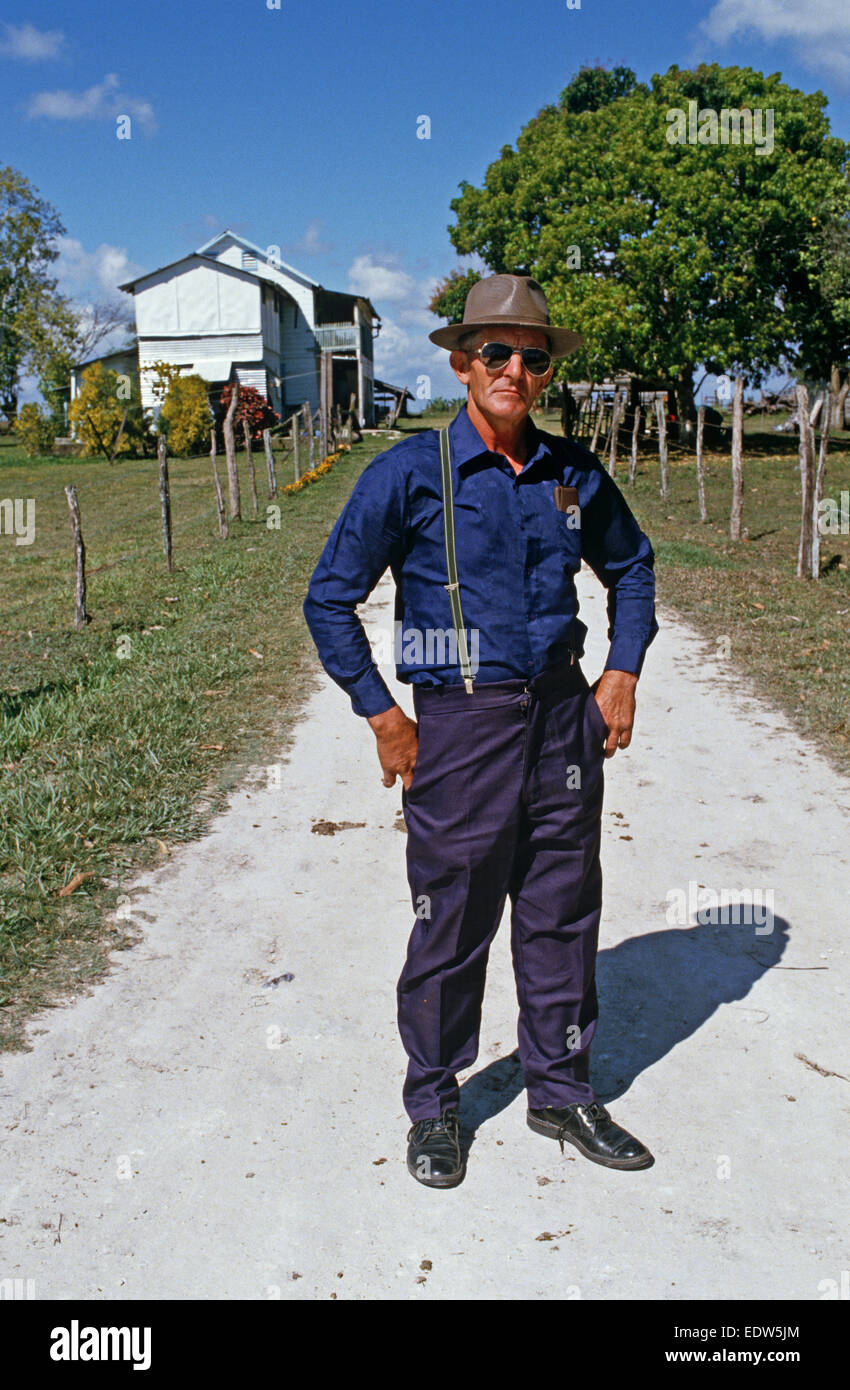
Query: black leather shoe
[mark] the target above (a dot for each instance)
(593, 1132)
(433, 1151)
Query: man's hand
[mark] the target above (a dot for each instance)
(397, 744)
(615, 696)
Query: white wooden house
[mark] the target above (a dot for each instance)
(231, 310)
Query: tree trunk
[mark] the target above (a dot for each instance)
(737, 459)
(118, 436)
(230, 451)
(686, 409)
(632, 404)
(804, 552)
(839, 385)
(661, 416)
(818, 488)
(634, 453)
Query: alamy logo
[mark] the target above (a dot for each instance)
(17, 1288)
(13, 520)
(77, 1343)
(430, 646)
(701, 906)
(726, 127)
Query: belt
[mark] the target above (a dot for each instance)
(565, 678)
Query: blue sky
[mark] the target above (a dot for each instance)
(297, 126)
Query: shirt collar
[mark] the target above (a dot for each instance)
(467, 443)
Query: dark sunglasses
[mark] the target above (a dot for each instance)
(536, 360)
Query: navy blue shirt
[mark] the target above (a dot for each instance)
(517, 554)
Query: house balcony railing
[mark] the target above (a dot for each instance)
(345, 336)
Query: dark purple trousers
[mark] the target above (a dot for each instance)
(506, 799)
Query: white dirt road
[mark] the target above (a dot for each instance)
(190, 1131)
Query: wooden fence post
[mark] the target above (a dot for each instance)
(398, 405)
(230, 451)
(295, 446)
(267, 445)
(164, 501)
(308, 423)
(81, 617)
(737, 460)
(326, 396)
(254, 499)
(661, 417)
(598, 426)
(703, 514)
(354, 434)
(619, 402)
(634, 453)
(804, 552)
(219, 500)
(585, 415)
(826, 421)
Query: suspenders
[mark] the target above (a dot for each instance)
(451, 559)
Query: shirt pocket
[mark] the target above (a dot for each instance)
(569, 539)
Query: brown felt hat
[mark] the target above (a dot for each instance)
(507, 301)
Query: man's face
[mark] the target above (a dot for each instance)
(508, 394)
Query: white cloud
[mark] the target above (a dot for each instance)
(375, 281)
(820, 32)
(103, 101)
(311, 243)
(403, 354)
(96, 274)
(31, 44)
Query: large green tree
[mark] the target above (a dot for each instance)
(29, 227)
(41, 331)
(665, 256)
(824, 329)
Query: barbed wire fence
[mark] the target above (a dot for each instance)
(297, 440)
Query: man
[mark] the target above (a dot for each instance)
(502, 770)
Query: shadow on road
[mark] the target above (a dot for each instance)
(655, 991)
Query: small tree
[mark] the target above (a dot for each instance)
(251, 407)
(34, 430)
(99, 409)
(186, 416)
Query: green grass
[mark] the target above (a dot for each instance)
(102, 731)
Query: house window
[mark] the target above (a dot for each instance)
(249, 261)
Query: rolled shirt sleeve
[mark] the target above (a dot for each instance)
(364, 542)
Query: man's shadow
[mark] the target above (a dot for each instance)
(654, 992)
